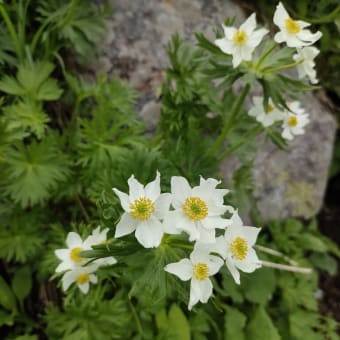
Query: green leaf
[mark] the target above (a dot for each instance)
(259, 286)
(324, 262)
(34, 171)
(235, 322)
(22, 283)
(310, 242)
(7, 298)
(178, 324)
(261, 326)
(6, 319)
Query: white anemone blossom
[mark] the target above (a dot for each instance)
(236, 247)
(198, 210)
(240, 43)
(145, 208)
(295, 121)
(82, 276)
(99, 237)
(198, 269)
(306, 68)
(292, 31)
(70, 256)
(268, 116)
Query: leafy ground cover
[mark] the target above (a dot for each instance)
(66, 141)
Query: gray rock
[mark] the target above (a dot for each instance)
(288, 183)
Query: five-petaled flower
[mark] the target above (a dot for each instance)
(266, 116)
(306, 68)
(198, 269)
(145, 208)
(198, 210)
(82, 276)
(236, 247)
(292, 31)
(240, 43)
(294, 121)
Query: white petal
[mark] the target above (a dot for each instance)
(93, 278)
(153, 189)
(194, 297)
(182, 269)
(62, 254)
(280, 15)
(188, 226)
(202, 289)
(124, 199)
(250, 234)
(250, 263)
(84, 287)
(212, 222)
(65, 265)
(225, 45)
(249, 25)
(68, 279)
(256, 37)
(214, 264)
(237, 58)
(171, 221)
(205, 235)
(73, 240)
(229, 32)
(246, 52)
(149, 233)
(126, 225)
(220, 247)
(136, 190)
(162, 205)
(308, 36)
(233, 271)
(180, 190)
(279, 37)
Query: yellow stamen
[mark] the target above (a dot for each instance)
(292, 26)
(239, 248)
(83, 278)
(142, 209)
(292, 121)
(201, 271)
(74, 255)
(240, 38)
(270, 108)
(195, 208)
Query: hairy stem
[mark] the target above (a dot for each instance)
(296, 269)
(275, 253)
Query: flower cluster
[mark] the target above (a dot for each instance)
(241, 43)
(75, 266)
(293, 120)
(198, 212)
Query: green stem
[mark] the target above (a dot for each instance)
(138, 323)
(232, 149)
(325, 19)
(265, 55)
(229, 124)
(12, 32)
(283, 67)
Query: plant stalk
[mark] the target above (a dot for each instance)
(296, 269)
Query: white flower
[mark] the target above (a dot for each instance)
(240, 43)
(306, 68)
(266, 116)
(144, 207)
(70, 256)
(82, 276)
(198, 268)
(197, 210)
(295, 121)
(100, 237)
(236, 247)
(293, 32)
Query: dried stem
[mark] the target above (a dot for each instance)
(296, 269)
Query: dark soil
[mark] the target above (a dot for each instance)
(329, 222)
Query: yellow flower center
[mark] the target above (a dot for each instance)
(195, 208)
(292, 121)
(74, 255)
(292, 26)
(270, 108)
(240, 38)
(142, 209)
(239, 248)
(201, 271)
(83, 278)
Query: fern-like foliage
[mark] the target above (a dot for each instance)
(32, 172)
